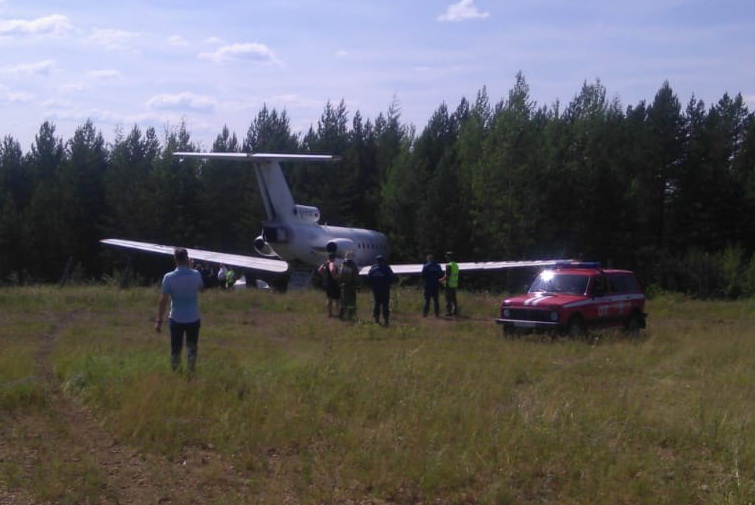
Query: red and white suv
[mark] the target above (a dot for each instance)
(573, 297)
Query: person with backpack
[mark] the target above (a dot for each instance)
(329, 273)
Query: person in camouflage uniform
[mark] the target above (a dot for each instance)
(349, 278)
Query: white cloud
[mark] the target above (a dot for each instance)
(294, 100)
(177, 41)
(182, 101)
(16, 97)
(26, 69)
(55, 103)
(74, 88)
(250, 51)
(111, 38)
(20, 96)
(213, 40)
(465, 9)
(55, 24)
(107, 73)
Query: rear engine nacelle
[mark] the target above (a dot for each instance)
(263, 248)
(339, 246)
(276, 234)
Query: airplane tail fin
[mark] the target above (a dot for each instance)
(279, 203)
(276, 194)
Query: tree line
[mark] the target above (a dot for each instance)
(665, 189)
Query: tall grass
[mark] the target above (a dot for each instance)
(426, 410)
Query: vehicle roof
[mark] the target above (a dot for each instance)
(591, 271)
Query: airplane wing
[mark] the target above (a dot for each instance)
(258, 156)
(237, 260)
(416, 269)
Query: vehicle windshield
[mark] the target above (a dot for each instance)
(554, 282)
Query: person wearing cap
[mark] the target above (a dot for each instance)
(349, 279)
(181, 287)
(431, 274)
(381, 277)
(221, 276)
(451, 280)
(329, 272)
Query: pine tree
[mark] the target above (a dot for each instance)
(83, 184)
(48, 249)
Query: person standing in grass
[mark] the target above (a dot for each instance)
(182, 287)
(432, 273)
(349, 278)
(329, 272)
(381, 277)
(451, 280)
(230, 278)
(221, 276)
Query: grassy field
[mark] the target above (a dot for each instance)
(291, 407)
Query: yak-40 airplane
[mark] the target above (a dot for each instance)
(293, 243)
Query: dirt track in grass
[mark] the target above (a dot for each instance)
(68, 437)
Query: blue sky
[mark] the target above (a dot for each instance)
(154, 63)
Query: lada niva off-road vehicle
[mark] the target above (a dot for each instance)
(572, 298)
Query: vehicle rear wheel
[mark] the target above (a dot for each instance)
(576, 327)
(633, 324)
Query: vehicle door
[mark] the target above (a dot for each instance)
(598, 311)
(621, 305)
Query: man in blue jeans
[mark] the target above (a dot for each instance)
(182, 287)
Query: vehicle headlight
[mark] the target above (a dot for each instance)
(554, 316)
(506, 313)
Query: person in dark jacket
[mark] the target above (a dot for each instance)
(432, 273)
(381, 277)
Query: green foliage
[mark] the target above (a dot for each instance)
(652, 187)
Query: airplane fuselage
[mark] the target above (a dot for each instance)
(310, 243)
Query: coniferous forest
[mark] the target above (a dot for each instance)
(662, 187)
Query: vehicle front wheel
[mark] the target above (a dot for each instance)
(576, 327)
(509, 332)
